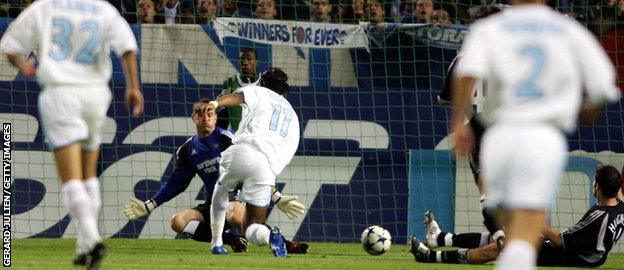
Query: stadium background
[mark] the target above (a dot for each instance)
(374, 141)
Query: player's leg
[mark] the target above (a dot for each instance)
(192, 223)
(229, 177)
(60, 111)
(458, 256)
(257, 197)
(436, 237)
(97, 101)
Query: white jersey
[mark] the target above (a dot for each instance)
(536, 61)
(270, 124)
(74, 38)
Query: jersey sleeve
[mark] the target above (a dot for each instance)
(21, 36)
(179, 180)
(120, 35)
(597, 70)
(251, 95)
(474, 62)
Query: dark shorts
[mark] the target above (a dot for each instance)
(478, 130)
(551, 255)
(204, 209)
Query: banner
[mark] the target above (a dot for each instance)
(441, 36)
(292, 33)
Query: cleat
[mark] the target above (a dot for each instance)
(432, 230)
(80, 259)
(419, 250)
(95, 256)
(238, 244)
(276, 242)
(296, 247)
(219, 250)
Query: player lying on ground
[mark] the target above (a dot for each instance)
(586, 244)
(200, 155)
(478, 129)
(266, 141)
(73, 40)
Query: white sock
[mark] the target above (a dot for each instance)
(189, 229)
(79, 205)
(93, 189)
(258, 234)
(217, 214)
(517, 255)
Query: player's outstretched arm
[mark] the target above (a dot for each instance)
(288, 204)
(136, 208)
(228, 100)
(134, 97)
(462, 92)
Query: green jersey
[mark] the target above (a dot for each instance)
(231, 117)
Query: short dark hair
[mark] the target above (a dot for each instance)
(609, 180)
(276, 80)
(246, 50)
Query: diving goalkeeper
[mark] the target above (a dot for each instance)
(200, 155)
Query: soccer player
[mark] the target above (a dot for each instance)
(537, 61)
(74, 38)
(264, 144)
(468, 240)
(586, 244)
(231, 117)
(200, 155)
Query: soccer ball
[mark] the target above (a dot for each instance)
(376, 240)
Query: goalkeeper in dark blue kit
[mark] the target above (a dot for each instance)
(200, 155)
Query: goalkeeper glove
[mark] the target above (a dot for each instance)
(136, 208)
(288, 204)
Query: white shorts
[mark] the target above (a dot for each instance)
(245, 163)
(72, 114)
(523, 165)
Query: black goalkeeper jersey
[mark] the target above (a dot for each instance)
(590, 240)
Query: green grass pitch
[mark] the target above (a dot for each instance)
(52, 254)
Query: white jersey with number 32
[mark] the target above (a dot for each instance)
(537, 62)
(270, 124)
(74, 38)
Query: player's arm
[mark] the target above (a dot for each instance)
(134, 97)
(229, 100)
(124, 44)
(474, 65)
(598, 75)
(553, 235)
(177, 183)
(464, 139)
(288, 204)
(18, 40)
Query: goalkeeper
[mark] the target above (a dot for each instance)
(200, 155)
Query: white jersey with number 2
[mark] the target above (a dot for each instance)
(270, 124)
(537, 62)
(74, 38)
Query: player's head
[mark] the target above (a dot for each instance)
(248, 61)
(608, 181)
(276, 80)
(205, 120)
(485, 11)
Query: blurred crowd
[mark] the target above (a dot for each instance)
(599, 15)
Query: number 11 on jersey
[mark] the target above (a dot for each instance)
(279, 114)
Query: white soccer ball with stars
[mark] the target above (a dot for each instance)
(376, 240)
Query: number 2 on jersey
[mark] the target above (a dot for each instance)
(62, 40)
(528, 88)
(275, 119)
